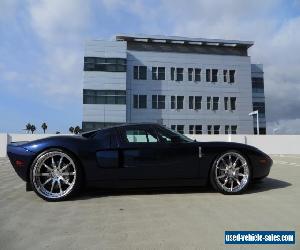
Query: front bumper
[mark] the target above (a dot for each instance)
(262, 166)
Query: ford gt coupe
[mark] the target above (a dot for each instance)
(132, 156)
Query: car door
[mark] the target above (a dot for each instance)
(180, 157)
(139, 152)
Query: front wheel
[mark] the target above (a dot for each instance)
(230, 173)
(55, 175)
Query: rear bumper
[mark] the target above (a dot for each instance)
(21, 154)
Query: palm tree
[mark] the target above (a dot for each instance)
(32, 129)
(28, 127)
(57, 132)
(44, 127)
(71, 129)
(77, 130)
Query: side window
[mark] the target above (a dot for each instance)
(137, 135)
(106, 139)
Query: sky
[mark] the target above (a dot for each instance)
(42, 50)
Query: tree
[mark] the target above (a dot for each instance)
(77, 130)
(32, 129)
(71, 129)
(57, 132)
(28, 127)
(44, 127)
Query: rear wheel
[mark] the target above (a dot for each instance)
(55, 175)
(230, 173)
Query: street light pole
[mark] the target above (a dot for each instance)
(257, 123)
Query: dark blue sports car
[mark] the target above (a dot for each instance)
(134, 155)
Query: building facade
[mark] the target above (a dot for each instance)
(191, 85)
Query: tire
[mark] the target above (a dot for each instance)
(230, 173)
(55, 175)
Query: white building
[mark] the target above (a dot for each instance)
(191, 85)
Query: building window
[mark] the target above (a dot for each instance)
(195, 102)
(198, 129)
(158, 73)
(140, 101)
(216, 129)
(233, 129)
(140, 72)
(179, 74)
(214, 75)
(260, 106)
(225, 75)
(178, 128)
(208, 100)
(177, 102)
(197, 75)
(191, 129)
(227, 129)
(209, 131)
(226, 104)
(215, 103)
(232, 103)
(173, 102)
(91, 96)
(104, 64)
(158, 101)
(190, 74)
(231, 76)
(208, 75)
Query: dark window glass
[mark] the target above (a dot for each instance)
(198, 102)
(216, 129)
(231, 76)
(232, 103)
(143, 73)
(209, 129)
(143, 101)
(180, 129)
(173, 102)
(198, 129)
(226, 103)
(180, 102)
(258, 83)
(226, 129)
(172, 73)
(191, 129)
(179, 74)
(208, 75)
(161, 73)
(154, 101)
(197, 75)
(161, 102)
(208, 99)
(260, 106)
(154, 73)
(106, 139)
(215, 103)
(233, 129)
(190, 74)
(191, 102)
(173, 127)
(105, 64)
(225, 75)
(104, 97)
(214, 75)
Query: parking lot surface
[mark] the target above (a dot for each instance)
(182, 218)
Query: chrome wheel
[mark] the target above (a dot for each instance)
(54, 175)
(232, 172)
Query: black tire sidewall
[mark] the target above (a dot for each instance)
(76, 186)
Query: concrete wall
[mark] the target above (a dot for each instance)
(271, 144)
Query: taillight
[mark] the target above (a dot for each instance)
(19, 163)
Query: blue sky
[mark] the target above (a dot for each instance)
(42, 46)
